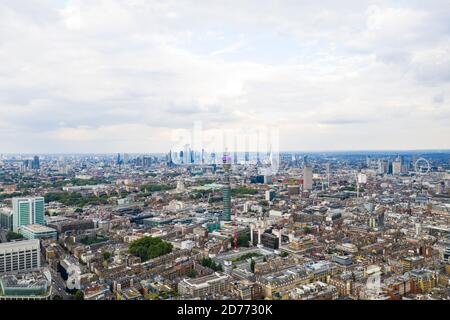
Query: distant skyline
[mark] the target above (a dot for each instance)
(96, 76)
(362, 152)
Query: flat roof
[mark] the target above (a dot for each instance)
(37, 228)
(20, 243)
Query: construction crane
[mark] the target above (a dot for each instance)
(235, 230)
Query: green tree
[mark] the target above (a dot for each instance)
(209, 263)
(57, 297)
(192, 273)
(152, 296)
(243, 190)
(106, 255)
(252, 266)
(11, 235)
(150, 247)
(156, 187)
(79, 295)
(307, 230)
(241, 241)
(164, 295)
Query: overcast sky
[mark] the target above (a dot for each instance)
(121, 75)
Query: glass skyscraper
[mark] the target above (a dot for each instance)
(28, 211)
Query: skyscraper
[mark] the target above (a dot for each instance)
(382, 166)
(27, 211)
(35, 164)
(307, 177)
(169, 159)
(226, 160)
(396, 167)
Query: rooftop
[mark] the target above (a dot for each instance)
(37, 228)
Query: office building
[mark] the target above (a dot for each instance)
(270, 195)
(257, 179)
(396, 167)
(19, 256)
(446, 254)
(411, 263)
(210, 285)
(35, 164)
(6, 217)
(307, 177)
(37, 231)
(26, 286)
(383, 167)
(27, 211)
(63, 225)
(268, 179)
(283, 280)
(342, 260)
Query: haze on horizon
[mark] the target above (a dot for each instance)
(97, 76)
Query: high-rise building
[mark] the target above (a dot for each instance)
(27, 211)
(6, 219)
(397, 167)
(328, 169)
(186, 154)
(383, 166)
(19, 256)
(226, 160)
(307, 177)
(35, 164)
(446, 254)
(181, 157)
(270, 195)
(146, 161)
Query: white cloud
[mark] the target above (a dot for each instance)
(331, 76)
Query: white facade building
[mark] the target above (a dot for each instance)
(20, 256)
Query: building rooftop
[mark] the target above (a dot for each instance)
(204, 281)
(20, 243)
(37, 228)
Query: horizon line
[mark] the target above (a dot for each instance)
(281, 151)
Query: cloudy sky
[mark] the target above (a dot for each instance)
(122, 75)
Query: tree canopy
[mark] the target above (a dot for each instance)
(11, 235)
(209, 263)
(79, 295)
(150, 247)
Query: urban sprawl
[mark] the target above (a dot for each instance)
(322, 226)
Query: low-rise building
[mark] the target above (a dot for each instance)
(37, 231)
(25, 286)
(214, 284)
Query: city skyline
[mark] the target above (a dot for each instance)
(343, 151)
(97, 76)
(224, 158)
